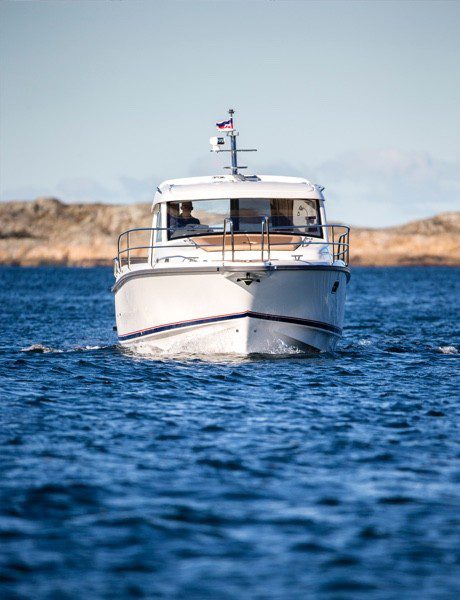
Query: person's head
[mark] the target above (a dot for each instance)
(173, 209)
(187, 208)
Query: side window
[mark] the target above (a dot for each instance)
(301, 214)
(305, 212)
(156, 223)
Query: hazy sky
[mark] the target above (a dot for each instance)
(100, 101)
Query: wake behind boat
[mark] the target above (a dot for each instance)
(233, 264)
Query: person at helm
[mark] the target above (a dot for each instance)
(185, 218)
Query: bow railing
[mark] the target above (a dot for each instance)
(131, 250)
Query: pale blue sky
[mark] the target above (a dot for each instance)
(100, 101)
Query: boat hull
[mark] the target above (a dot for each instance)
(231, 311)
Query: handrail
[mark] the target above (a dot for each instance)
(262, 239)
(265, 224)
(128, 244)
(340, 248)
(224, 238)
(155, 247)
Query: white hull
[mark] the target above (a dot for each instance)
(198, 310)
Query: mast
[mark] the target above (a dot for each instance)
(232, 135)
(217, 142)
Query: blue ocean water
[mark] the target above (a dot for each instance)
(268, 478)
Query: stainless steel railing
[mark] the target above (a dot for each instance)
(128, 254)
(228, 222)
(265, 227)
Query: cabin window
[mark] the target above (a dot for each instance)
(157, 234)
(285, 215)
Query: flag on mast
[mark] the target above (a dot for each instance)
(225, 125)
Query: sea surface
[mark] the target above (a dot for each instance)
(330, 477)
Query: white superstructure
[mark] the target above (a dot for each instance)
(233, 264)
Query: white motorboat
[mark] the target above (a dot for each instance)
(233, 264)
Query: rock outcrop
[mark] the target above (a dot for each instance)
(433, 241)
(48, 231)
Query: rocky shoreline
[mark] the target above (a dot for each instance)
(49, 232)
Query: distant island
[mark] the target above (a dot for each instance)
(48, 231)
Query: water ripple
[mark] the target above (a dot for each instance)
(333, 476)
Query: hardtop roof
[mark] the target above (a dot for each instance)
(229, 186)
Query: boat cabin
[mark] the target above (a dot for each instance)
(228, 218)
(276, 212)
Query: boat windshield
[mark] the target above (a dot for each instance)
(204, 217)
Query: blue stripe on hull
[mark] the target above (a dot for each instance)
(255, 315)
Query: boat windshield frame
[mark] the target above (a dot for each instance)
(251, 223)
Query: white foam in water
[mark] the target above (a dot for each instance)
(91, 347)
(194, 349)
(281, 347)
(448, 350)
(40, 349)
